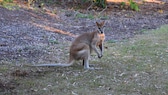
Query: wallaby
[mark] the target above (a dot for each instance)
(82, 46)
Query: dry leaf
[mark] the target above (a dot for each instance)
(160, 11)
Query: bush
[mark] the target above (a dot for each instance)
(100, 3)
(133, 5)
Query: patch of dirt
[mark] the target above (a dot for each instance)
(19, 73)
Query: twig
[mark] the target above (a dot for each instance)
(90, 6)
(103, 10)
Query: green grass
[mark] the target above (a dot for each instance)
(80, 15)
(8, 4)
(53, 41)
(138, 66)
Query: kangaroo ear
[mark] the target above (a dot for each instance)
(97, 23)
(103, 22)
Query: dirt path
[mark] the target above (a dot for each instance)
(25, 33)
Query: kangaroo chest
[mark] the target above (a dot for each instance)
(101, 39)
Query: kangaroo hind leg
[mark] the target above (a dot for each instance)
(84, 54)
(86, 59)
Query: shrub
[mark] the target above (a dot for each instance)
(100, 3)
(133, 5)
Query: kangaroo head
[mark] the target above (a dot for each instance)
(100, 27)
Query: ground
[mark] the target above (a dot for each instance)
(43, 35)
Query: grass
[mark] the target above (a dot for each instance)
(80, 15)
(138, 66)
(8, 4)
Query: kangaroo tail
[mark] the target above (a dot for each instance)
(53, 65)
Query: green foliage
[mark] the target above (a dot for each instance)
(8, 1)
(5, 1)
(80, 15)
(85, 1)
(53, 41)
(123, 4)
(134, 5)
(100, 3)
(8, 4)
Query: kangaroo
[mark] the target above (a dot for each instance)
(83, 45)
